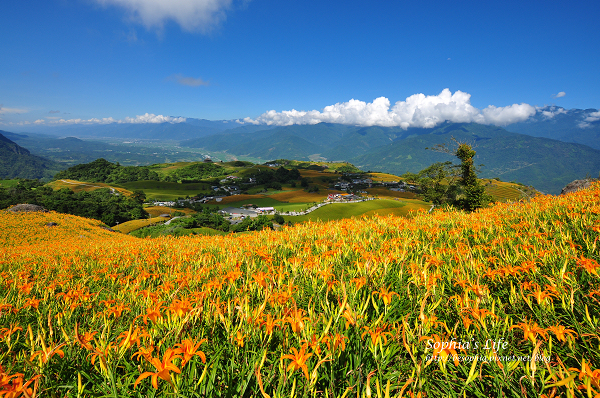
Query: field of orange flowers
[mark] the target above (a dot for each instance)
(503, 302)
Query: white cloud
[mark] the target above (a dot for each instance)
(152, 118)
(559, 95)
(503, 116)
(191, 15)
(593, 117)
(139, 119)
(418, 110)
(550, 112)
(4, 110)
(188, 81)
(590, 118)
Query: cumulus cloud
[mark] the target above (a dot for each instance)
(191, 15)
(591, 118)
(4, 110)
(152, 118)
(561, 94)
(139, 119)
(418, 110)
(188, 81)
(549, 112)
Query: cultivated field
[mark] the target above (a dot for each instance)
(78, 186)
(502, 302)
(338, 211)
(156, 211)
(132, 225)
(163, 190)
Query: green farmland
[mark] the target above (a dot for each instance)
(163, 190)
(338, 211)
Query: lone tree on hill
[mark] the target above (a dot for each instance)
(475, 196)
(473, 193)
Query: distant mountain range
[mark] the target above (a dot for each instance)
(575, 125)
(549, 150)
(546, 164)
(18, 162)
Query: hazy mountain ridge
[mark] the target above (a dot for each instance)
(18, 162)
(561, 124)
(544, 163)
(550, 154)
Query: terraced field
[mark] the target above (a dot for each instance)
(78, 186)
(506, 191)
(156, 211)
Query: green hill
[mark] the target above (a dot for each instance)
(18, 162)
(546, 164)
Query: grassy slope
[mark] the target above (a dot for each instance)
(338, 211)
(132, 225)
(78, 186)
(162, 190)
(8, 183)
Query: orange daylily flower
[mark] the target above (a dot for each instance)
(298, 359)
(359, 282)
(270, 323)
(561, 332)
(591, 378)
(335, 341)
(153, 313)
(12, 386)
(162, 369)
(180, 307)
(589, 264)
(189, 348)
(386, 295)
(132, 337)
(239, 339)
(349, 316)
(7, 332)
(530, 330)
(296, 319)
(48, 352)
(377, 335)
(145, 353)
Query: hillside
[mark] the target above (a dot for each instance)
(72, 150)
(509, 156)
(546, 164)
(18, 162)
(574, 125)
(359, 302)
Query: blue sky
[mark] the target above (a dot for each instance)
(231, 59)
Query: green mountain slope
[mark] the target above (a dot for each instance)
(332, 141)
(546, 164)
(572, 125)
(17, 162)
